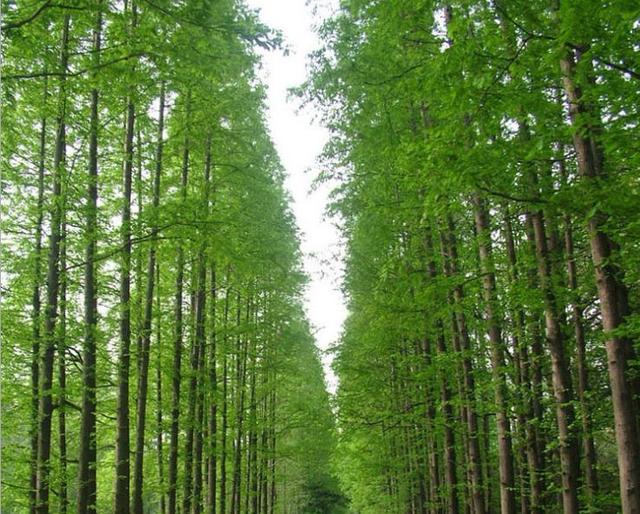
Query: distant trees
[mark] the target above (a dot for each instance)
(488, 157)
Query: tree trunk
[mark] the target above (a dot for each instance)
(194, 381)
(273, 442)
(45, 404)
(225, 397)
(123, 445)
(198, 436)
(463, 344)
(523, 381)
(213, 402)
(252, 461)
(87, 492)
(561, 377)
(63, 500)
(505, 449)
(159, 408)
(178, 340)
(124, 357)
(588, 446)
(241, 370)
(143, 357)
(36, 303)
(612, 292)
(445, 400)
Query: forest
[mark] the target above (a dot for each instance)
(157, 355)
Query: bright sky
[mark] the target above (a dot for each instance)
(299, 141)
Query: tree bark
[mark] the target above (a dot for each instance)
(505, 448)
(63, 497)
(225, 397)
(523, 380)
(123, 444)
(561, 378)
(159, 402)
(36, 303)
(213, 402)
(588, 445)
(87, 488)
(463, 343)
(178, 340)
(143, 357)
(445, 400)
(241, 370)
(45, 404)
(612, 291)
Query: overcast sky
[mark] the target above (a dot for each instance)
(299, 141)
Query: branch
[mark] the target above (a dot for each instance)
(38, 12)
(507, 196)
(28, 19)
(397, 76)
(618, 67)
(120, 248)
(75, 73)
(530, 35)
(15, 486)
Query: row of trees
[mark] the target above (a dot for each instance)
(155, 353)
(488, 159)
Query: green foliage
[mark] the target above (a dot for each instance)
(429, 104)
(237, 224)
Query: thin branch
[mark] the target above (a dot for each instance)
(28, 19)
(75, 73)
(507, 196)
(618, 67)
(17, 24)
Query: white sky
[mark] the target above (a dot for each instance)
(299, 141)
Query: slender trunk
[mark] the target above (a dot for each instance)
(252, 484)
(588, 446)
(178, 340)
(505, 449)
(37, 307)
(445, 400)
(463, 346)
(143, 357)
(87, 492)
(198, 436)
(194, 382)
(432, 467)
(213, 405)
(212, 374)
(241, 367)
(123, 445)
(272, 450)
(45, 404)
(561, 378)
(612, 291)
(175, 388)
(450, 471)
(526, 411)
(124, 356)
(225, 398)
(63, 500)
(264, 448)
(187, 485)
(201, 340)
(159, 409)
